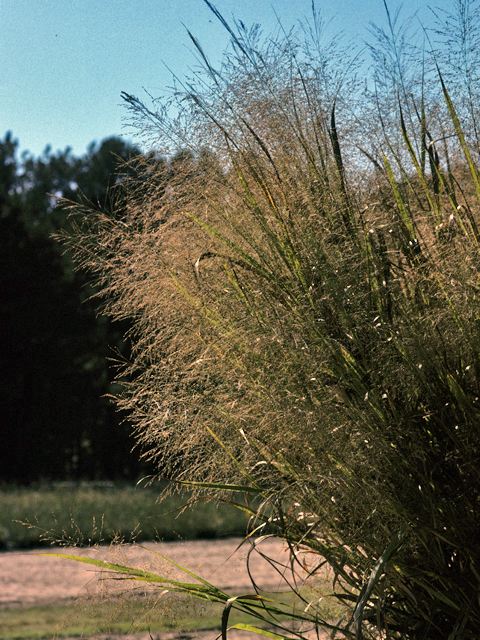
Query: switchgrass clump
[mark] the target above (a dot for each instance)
(299, 256)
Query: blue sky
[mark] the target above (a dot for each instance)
(63, 65)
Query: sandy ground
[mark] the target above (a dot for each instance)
(28, 579)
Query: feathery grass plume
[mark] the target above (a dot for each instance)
(306, 323)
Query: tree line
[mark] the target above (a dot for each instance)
(55, 347)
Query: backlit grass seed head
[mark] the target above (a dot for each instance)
(304, 304)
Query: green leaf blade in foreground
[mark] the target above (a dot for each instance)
(373, 580)
(131, 573)
(259, 631)
(420, 172)
(461, 136)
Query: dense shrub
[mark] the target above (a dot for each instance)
(300, 262)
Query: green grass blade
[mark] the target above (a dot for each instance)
(261, 607)
(373, 581)
(461, 137)
(185, 570)
(418, 166)
(435, 593)
(249, 260)
(259, 631)
(239, 488)
(139, 574)
(408, 226)
(239, 465)
(337, 154)
(228, 607)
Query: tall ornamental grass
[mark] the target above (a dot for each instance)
(299, 255)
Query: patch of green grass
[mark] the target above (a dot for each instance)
(106, 617)
(88, 514)
(34, 622)
(134, 616)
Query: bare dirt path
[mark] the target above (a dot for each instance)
(28, 579)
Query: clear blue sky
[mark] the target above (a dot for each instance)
(63, 64)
